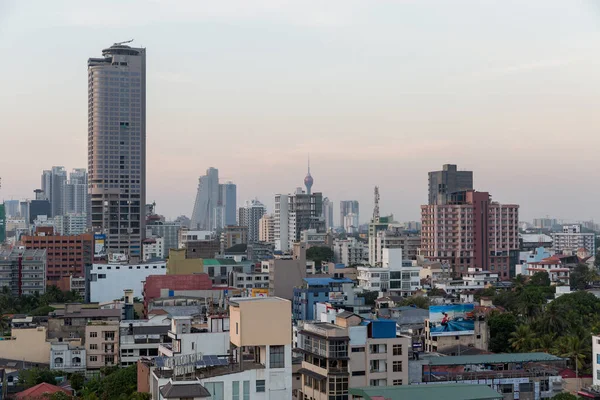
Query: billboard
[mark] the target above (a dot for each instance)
(336, 297)
(451, 320)
(99, 245)
(260, 292)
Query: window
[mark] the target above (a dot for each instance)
(260, 386)
(93, 346)
(277, 357)
(58, 360)
(93, 358)
(235, 390)
(246, 391)
(526, 387)
(237, 328)
(397, 366)
(93, 334)
(215, 389)
(109, 359)
(397, 349)
(358, 349)
(358, 373)
(506, 388)
(397, 382)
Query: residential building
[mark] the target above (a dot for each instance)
(479, 338)
(189, 339)
(23, 271)
(107, 281)
(141, 338)
(531, 241)
(313, 238)
(169, 231)
(596, 356)
(207, 199)
(70, 323)
(474, 279)
(74, 196)
(443, 184)
(349, 251)
(219, 269)
(348, 207)
(2, 223)
(249, 216)
(376, 225)
(328, 214)
(12, 208)
(186, 236)
(352, 352)
(395, 275)
(295, 213)
(233, 235)
(260, 251)
(472, 231)
(314, 290)
(351, 224)
(545, 223)
(71, 224)
(65, 255)
(571, 239)
(153, 248)
(53, 182)
(394, 238)
(117, 173)
(68, 357)
(246, 280)
(266, 229)
(41, 391)
(558, 268)
(450, 391)
(102, 344)
(26, 343)
(285, 273)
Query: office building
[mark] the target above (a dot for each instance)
(23, 271)
(328, 213)
(12, 208)
(66, 255)
(39, 206)
(117, 147)
(266, 229)
(349, 252)
(71, 224)
(295, 213)
(169, 231)
(348, 207)
(207, 200)
(351, 352)
(53, 182)
(249, 216)
(571, 239)
(442, 184)
(472, 231)
(75, 193)
(228, 193)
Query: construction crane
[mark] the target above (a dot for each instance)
(376, 206)
(122, 43)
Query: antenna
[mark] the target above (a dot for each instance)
(376, 207)
(309, 164)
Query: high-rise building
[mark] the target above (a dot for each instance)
(2, 223)
(348, 207)
(442, 184)
(117, 147)
(12, 208)
(207, 201)
(572, 239)
(37, 207)
(266, 229)
(53, 182)
(228, 192)
(75, 192)
(328, 213)
(295, 213)
(351, 223)
(249, 216)
(472, 231)
(23, 271)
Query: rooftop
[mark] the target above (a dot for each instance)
(427, 392)
(494, 359)
(219, 261)
(326, 281)
(178, 390)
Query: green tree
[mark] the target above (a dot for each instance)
(319, 254)
(522, 339)
(580, 277)
(501, 326)
(597, 259)
(564, 396)
(545, 343)
(554, 319)
(77, 381)
(540, 279)
(417, 301)
(575, 349)
(34, 376)
(59, 396)
(370, 297)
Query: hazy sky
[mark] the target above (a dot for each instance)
(378, 92)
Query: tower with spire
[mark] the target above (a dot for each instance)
(308, 180)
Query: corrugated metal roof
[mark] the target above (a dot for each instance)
(494, 359)
(427, 392)
(219, 261)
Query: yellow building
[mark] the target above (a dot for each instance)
(26, 344)
(178, 264)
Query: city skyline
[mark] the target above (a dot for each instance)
(401, 114)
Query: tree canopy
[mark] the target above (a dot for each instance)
(319, 254)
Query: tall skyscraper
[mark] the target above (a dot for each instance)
(53, 182)
(249, 216)
(295, 213)
(348, 207)
(75, 192)
(117, 147)
(328, 213)
(11, 208)
(207, 201)
(447, 181)
(228, 193)
(472, 231)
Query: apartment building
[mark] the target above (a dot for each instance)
(472, 231)
(314, 290)
(287, 272)
(571, 239)
(349, 251)
(68, 357)
(141, 338)
(396, 238)
(107, 281)
(153, 248)
(350, 353)
(266, 229)
(395, 275)
(23, 271)
(102, 344)
(65, 255)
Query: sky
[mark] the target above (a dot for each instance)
(377, 92)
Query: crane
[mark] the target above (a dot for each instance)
(121, 43)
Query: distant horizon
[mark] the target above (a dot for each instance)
(377, 93)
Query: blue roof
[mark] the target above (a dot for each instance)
(326, 281)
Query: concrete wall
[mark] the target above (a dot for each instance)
(178, 264)
(120, 277)
(261, 321)
(29, 345)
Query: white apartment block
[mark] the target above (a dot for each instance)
(396, 275)
(141, 338)
(153, 248)
(192, 236)
(107, 281)
(571, 239)
(349, 252)
(596, 359)
(71, 224)
(250, 280)
(474, 279)
(67, 357)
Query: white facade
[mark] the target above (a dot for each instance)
(71, 224)
(187, 236)
(107, 281)
(68, 358)
(351, 223)
(141, 338)
(249, 281)
(187, 341)
(595, 359)
(476, 278)
(349, 252)
(153, 248)
(395, 275)
(572, 239)
(281, 223)
(249, 216)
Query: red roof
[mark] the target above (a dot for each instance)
(154, 284)
(38, 391)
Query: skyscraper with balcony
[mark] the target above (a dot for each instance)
(117, 147)
(472, 231)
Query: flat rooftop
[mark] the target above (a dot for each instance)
(493, 359)
(427, 392)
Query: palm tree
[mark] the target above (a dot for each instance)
(554, 319)
(522, 339)
(575, 349)
(545, 343)
(518, 282)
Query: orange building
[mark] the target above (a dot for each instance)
(65, 255)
